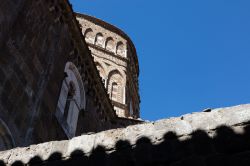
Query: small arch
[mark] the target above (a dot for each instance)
(112, 69)
(99, 39)
(115, 79)
(115, 73)
(120, 49)
(110, 45)
(89, 35)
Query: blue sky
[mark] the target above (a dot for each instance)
(193, 54)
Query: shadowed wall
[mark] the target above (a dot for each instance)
(37, 39)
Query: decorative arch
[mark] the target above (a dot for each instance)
(99, 39)
(110, 44)
(120, 49)
(89, 35)
(111, 70)
(6, 138)
(71, 101)
(116, 86)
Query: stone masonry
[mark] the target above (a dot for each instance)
(116, 60)
(218, 137)
(50, 88)
(65, 78)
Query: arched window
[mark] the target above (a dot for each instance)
(89, 37)
(99, 39)
(109, 45)
(71, 100)
(115, 86)
(120, 49)
(114, 91)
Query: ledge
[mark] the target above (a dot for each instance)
(182, 126)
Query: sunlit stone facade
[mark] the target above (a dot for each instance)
(116, 60)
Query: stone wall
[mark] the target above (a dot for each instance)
(8, 15)
(37, 39)
(211, 138)
(30, 82)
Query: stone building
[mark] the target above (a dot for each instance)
(116, 60)
(64, 75)
(54, 85)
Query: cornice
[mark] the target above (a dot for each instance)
(115, 30)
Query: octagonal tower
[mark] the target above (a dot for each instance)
(116, 60)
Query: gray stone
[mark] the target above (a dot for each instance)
(234, 117)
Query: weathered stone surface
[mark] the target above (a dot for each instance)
(207, 124)
(116, 59)
(37, 40)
